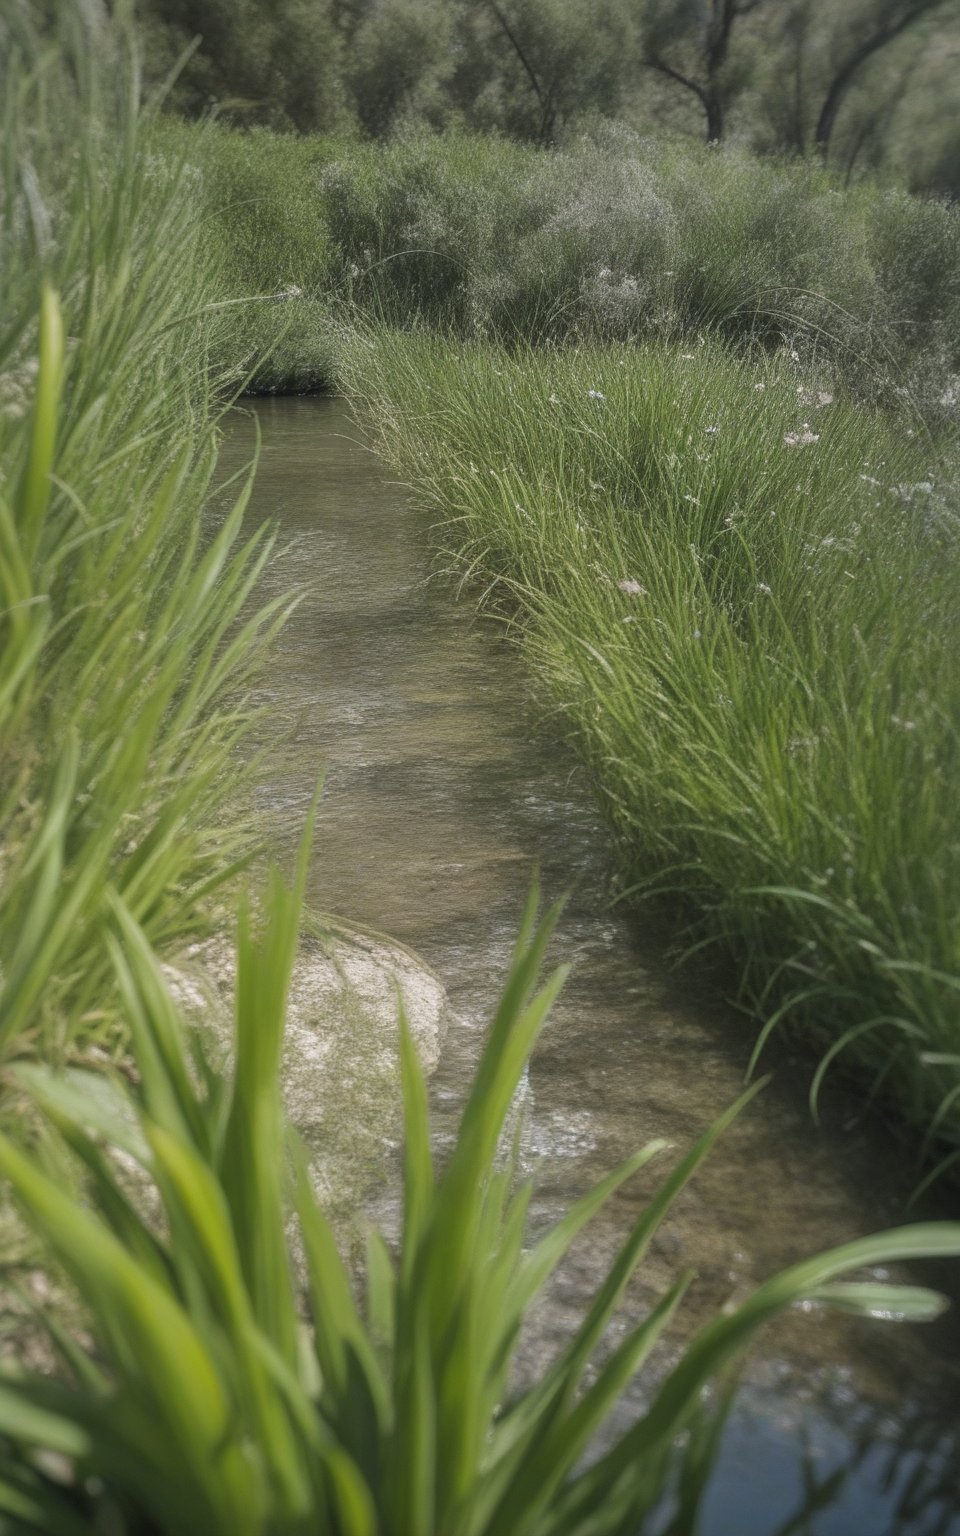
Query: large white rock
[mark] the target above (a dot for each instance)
(340, 1073)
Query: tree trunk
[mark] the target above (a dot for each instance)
(713, 106)
(525, 63)
(663, 68)
(850, 68)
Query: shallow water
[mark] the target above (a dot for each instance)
(443, 787)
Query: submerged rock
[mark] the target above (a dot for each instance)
(340, 1073)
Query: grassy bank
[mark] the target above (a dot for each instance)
(614, 239)
(739, 590)
(120, 696)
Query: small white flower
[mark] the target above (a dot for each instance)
(818, 398)
(712, 431)
(802, 438)
(762, 587)
(595, 394)
(758, 387)
(907, 492)
(632, 588)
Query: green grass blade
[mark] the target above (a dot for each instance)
(34, 490)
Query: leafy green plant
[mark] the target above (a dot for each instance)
(127, 631)
(206, 1404)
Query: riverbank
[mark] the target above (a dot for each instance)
(123, 660)
(737, 590)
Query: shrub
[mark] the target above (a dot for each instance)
(261, 244)
(612, 237)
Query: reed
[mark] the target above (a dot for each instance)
(126, 636)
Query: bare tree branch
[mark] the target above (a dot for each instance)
(663, 68)
(528, 68)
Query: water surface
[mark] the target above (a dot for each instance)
(444, 784)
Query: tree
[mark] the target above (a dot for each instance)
(854, 69)
(531, 66)
(398, 62)
(882, 25)
(689, 41)
(280, 64)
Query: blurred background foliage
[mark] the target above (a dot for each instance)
(872, 86)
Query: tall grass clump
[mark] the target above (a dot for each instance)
(739, 592)
(261, 233)
(121, 660)
(203, 1404)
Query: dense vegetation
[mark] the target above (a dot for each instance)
(613, 239)
(610, 482)
(869, 85)
(740, 591)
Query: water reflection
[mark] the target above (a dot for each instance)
(443, 785)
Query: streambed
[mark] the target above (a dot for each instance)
(443, 787)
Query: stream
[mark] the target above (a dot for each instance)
(444, 785)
